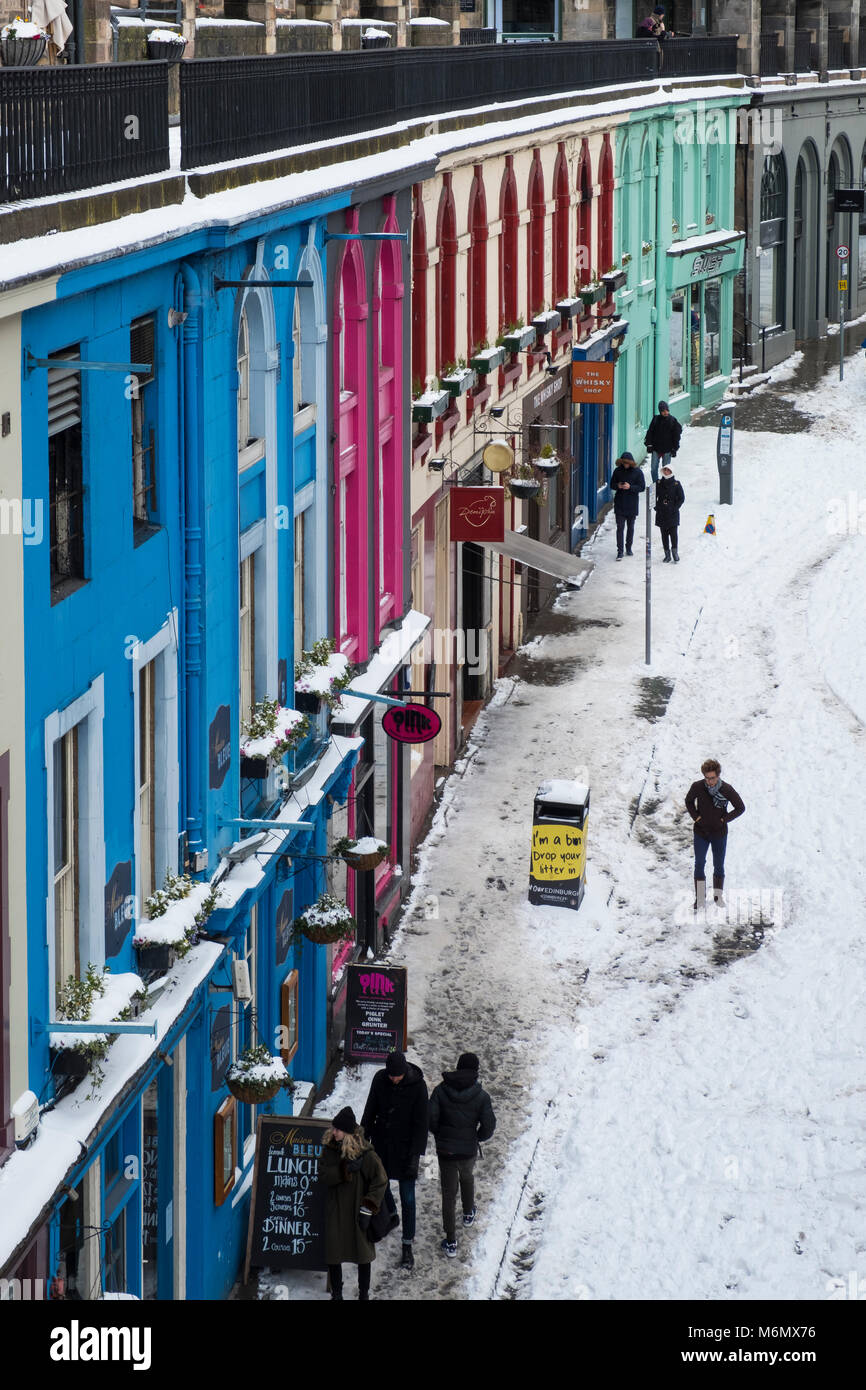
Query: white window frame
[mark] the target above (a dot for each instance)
(162, 647)
(87, 713)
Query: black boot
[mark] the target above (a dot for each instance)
(676, 557)
(667, 559)
(718, 885)
(407, 1259)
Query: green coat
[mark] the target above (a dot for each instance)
(345, 1242)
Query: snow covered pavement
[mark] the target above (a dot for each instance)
(680, 1101)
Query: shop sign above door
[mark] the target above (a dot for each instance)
(709, 261)
(478, 514)
(592, 382)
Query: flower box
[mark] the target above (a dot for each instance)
(614, 280)
(322, 674)
(646, 247)
(459, 382)
(22, 44)
(569, 308)
(165, 45)
(156, 959)
(592, 294)
(70, 1061)
(308, 701)
(488, 359)
(254, 769)
(270, 733)
(546, 322)
(519, 339)
(430, 406)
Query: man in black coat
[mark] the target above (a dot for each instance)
(663, 437)
(707, 804)
(395, 1121)
(669, 498)
(461, 1117)
(626, 483)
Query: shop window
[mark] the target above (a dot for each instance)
(146, 780)
(508, 270)
(142, 348)
(676, 382)
(584, 217)
(446, 278)
(250, 403)
(648, 231)
(351, 451)
(771, 268)
(69, 1271)
(289, 1016)
(245, 1034)
(388, 485)
(299, 584)
(297, 358)
(225, 1146)
(561, 286)
(605, 208)
(712, 327)
(625, 205)
(419, 292)
(65, 476)
(477, 271)
(247, 635)
(67, 954)
(862, 224)
(121, 1185)
(535, 248)
(677, 195)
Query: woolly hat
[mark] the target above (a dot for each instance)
(626, 458)
(659, 9)
(345, 1121)
(666, 468)
(395, 1064)
(467, 1061)
(663, 405)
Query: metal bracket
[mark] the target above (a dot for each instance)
(277, 826)
(76, 365)
(220, 284)
(108, 1027)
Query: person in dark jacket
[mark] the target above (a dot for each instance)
(626, 483)
(707, 804)
(663, 437)
(355, 1183)
(395, 1122)
(669, 498)
(461, 1118)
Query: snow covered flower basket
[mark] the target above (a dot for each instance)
(364, 854)
(256, 1076)
(22, 44)
(164, 44)
(522, 482)
(325, 921)
(548, 460)
(176, 917)
(271, 732)
(321, 676)
(98, 997)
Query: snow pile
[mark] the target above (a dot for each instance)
(164, 36)
(286, 722)
(178, 920)
(375, 34)
(322, 679)
(22, 29)
(104, 1008)
(368, 844)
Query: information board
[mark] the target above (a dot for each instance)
(558, 864)
(287, 1209)
(375, 1012)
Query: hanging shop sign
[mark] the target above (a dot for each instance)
(284, 919)
(219, 742)
(411, 724)
(592, 383)
(375, 1011)
(220, 1046)
(539, 401)
(287, 1209)
(477, 514)
(848, 200)
(119, 907)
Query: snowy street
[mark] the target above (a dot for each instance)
(679, 1101)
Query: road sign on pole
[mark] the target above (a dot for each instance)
(843, 252)
(725, 458)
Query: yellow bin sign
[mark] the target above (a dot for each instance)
(843, 286)
(557, 870)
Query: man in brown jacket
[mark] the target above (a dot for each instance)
(707, 804)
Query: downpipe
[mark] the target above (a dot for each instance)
(192, 475)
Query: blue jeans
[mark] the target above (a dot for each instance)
(702, 844)
(407, 1206)
(658, 460)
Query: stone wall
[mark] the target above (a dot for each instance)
(303, 36)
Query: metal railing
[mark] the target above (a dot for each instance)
(472, 37)
(837, 55)
(235, 107)
(67, 128)
(803, 56)
(770, 52)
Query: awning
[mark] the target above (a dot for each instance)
(545, 558)
(395, 650)
(708, 242)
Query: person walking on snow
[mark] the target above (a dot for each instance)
(669, 498)
(355, 1183)
(395, 1122)
(626, 483)
(461, 1118)
(663, 437)
(707, 804)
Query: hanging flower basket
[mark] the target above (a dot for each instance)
(256, 1077)
(165, 45)
(321, 674)
(363, 855)
(547, 462)
(524, 487)
(326, 921)
(22, 44)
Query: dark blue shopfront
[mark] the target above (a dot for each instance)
(593, 428)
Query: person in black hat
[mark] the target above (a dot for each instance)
(626, 483)
(663, 437)
(669, 498)
(395, 1121)
(461, 1118)
(355, 1181)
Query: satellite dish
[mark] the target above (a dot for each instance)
(498, 457)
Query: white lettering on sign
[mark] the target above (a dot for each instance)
(709, 261)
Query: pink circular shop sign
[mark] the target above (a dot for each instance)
(411, 723)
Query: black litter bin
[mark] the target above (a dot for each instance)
(557, 871)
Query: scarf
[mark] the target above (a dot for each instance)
(719, 798)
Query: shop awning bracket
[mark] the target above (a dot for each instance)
(74, 364)
(109, 1026)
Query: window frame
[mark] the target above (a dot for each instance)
(66, 460)
(144, 405)
(289, 989)
(225, 1125)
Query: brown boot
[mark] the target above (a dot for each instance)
(718, 885)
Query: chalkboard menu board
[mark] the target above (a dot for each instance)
(287, 1210)
(375, 1012)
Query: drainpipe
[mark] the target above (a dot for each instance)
(192, 558)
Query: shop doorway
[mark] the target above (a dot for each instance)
(474, 623)
(695, 363)
(157, 1144)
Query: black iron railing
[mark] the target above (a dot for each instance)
(770, 52)
(803, 58)
(476, 36)
(234, 107)
(66, 128)
(836, 48)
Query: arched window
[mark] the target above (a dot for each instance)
(561, 287)
(677, 197)
(648, 199)
(714, 210)
(584, 217)
(350, 451)
(509, 214)
(605, 207)
(446, 278)
(297, 360)
(535, 267)
(774, 200)
(388, 490)
(419, 292)
(625, 204)
(862, 226)
(477, 269)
